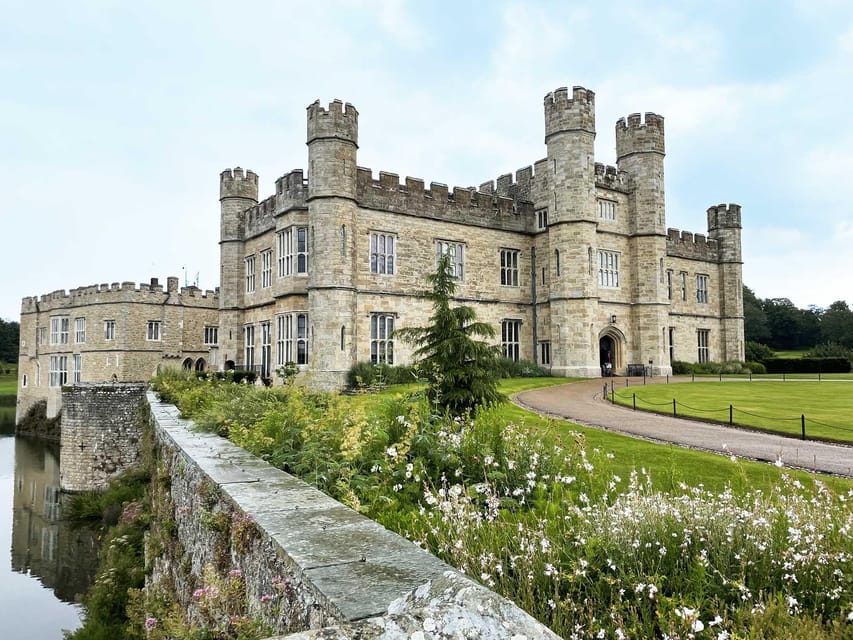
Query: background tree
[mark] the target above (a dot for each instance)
(460, 367)
(755, 327)
(836, 324)
(9, 340)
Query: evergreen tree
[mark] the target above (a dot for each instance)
(9, 341)
(461, 368)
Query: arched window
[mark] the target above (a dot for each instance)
(188, 364)
(557, 261)
(342, 337)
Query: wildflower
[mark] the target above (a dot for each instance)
(778, 462)
(717, 620)
(150, 623)
(391, 452)
(235, 573)
(266, 598)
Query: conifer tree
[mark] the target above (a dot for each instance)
(460, 367)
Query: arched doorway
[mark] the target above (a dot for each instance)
(199, 364)
(188, 364)
(610, 345)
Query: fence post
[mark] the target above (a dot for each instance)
(635, 401)
(644, 375)
(721, 376)
(750, 376)
(612, 396)
(693, 377)
(673, 407)
(731, 412)
(626, 383)
(604, 393)
(803, 423)
(667, 378)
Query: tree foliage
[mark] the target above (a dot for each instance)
(9, 340)
(460, 367)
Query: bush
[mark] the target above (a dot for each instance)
(508, 368)
(757, 352)
(366, 374)
(682, 368)
(808, 365)
(830, 350)
(757, 368)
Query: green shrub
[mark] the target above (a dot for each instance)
(508, 368)
(682, 368)
(757, 368)
(757, 352)
(830, 350)
(808, 365)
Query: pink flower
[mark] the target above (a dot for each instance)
(235, 572)
(150, 623)
(266, 597)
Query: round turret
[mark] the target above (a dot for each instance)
(564, 114)
(635, 136)
(233, 183)
(340, 121)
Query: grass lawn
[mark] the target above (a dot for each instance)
(8, 384)
(667, 464)
(772, 405)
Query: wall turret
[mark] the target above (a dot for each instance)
(724, 226)
(570, 165)
(332, 191)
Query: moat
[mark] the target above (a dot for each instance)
(49, 562)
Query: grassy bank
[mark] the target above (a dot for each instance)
(769, 405)
(595, 534)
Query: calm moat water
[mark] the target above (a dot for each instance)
(45, 564)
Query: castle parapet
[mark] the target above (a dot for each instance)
(234, 183)
(340, 121)
(569, 114)
(609, 177)
(145, 292)
(723, 216)
(462, 205)
(633, 135)
(685, 244)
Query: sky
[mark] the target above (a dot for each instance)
(117, 117)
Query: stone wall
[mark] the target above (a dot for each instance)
(100, 433)
(312, 567)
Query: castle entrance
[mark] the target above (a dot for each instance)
(609, 353)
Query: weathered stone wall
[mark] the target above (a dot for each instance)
(311, 566)
(101, 433)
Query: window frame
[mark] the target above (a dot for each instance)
(211, 335)
(703, 345)
(509, 259)
(383, 261)
(608, 269)
(249, 262)
(58, 372)
(293, 251)
(542, 219)
(109, 330)
(59, 329)
(702, 280)
(382, 338)
(606, 209)
(154, 332)
(76, 367)
(295, 337)
(511, 338)
(249, 346)
(545, 352)
(266, 268)
(80, 330)
(456, 250)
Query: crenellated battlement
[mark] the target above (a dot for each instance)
(635, 135)
(339, 121)
(150, 292)
(609, 177)
(724, 216)
(686, 244)
(520, 189)
(463, 205)
(569, 114)
(234, 183)
(292, 185)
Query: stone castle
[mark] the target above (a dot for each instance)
(571, 261)
(119, 331)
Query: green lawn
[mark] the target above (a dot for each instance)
(772, 405)
(668, 465)
(8, 384)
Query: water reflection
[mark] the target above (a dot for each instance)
(64, 558)
(7, 420)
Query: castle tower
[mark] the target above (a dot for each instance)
(332, 151)
(724, 226)
(237, 192)
(640, 152)
(570, 138)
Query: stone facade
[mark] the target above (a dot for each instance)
(101, 434)
(569, 259)
(118, 332)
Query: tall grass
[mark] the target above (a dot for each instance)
(549, 522)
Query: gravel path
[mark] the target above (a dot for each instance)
(582, 403)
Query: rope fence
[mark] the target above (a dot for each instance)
(731, 410)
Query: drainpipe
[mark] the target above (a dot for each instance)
(535, 310)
